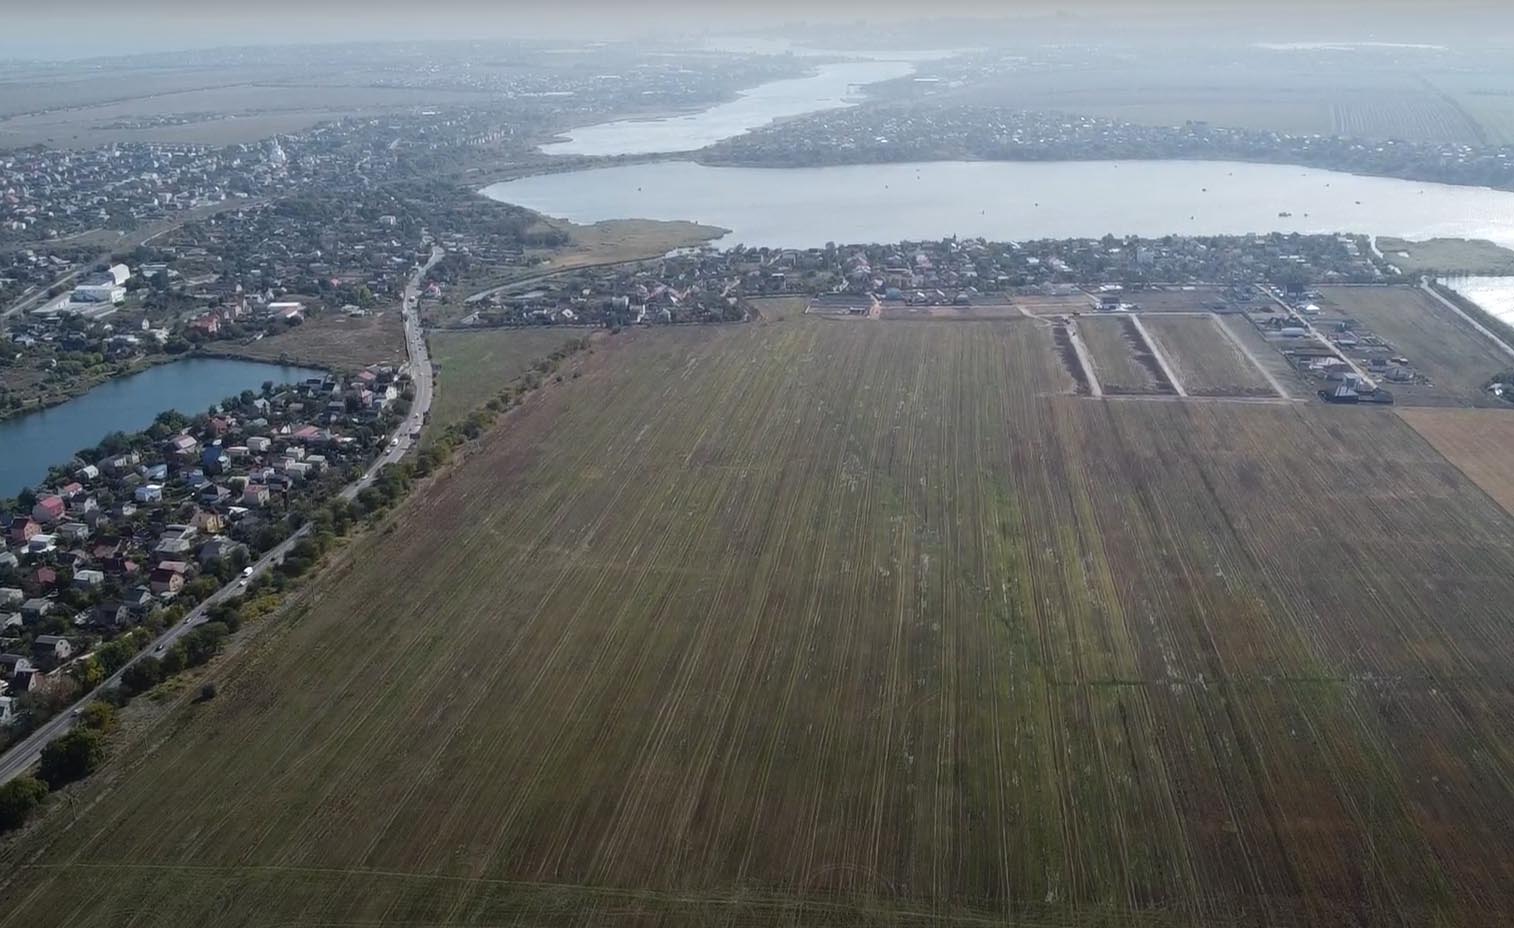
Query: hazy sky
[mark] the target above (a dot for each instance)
(79, 28)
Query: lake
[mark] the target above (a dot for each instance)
(832, 87)
(32, 443)
(1494, 294)
(1006, 200)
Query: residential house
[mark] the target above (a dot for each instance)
(255, 494)
(35, 610)
(219, 548)
(12, 664)
(139, 600)
(184, 447)
(176, 542)
(88, 579)
(167, 579)
(149, 493)
(51, 649)
(49, 509)
(10, 596)
(111, 615)
(122, 463)
(119, 566)
(23, 530)
(73, 532)
(208, 522)
(44, 579)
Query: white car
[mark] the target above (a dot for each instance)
(246, 572)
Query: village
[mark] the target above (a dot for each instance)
(134, 532)
(711, 284)
(904, 132)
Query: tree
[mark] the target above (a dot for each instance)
(72, 757)
(18, 800)
(143, 675)
(99, 716)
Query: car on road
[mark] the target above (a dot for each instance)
(246, 572)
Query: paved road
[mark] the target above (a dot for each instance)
(25, 754)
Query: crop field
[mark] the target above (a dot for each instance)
(805, 623)
(1457, 358)
(1207, 361)
(1475, 440)
(1415, 118)
(1121, 360)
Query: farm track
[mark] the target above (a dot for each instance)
(806, 623)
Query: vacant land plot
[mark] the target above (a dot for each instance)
(473, 367)
(1458, 360)
(1001, 310)
(1121, 360)
(820, 624)
(1475, 440)
(1196, 300)
(332, 340)
(1207, 361)
(1059, 305)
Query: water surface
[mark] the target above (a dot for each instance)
(32, 443)
(804, 207)
(1494, 294)
(833, 87)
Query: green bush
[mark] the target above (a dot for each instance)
(18, 800)
(72, 757)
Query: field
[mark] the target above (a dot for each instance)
(1447, 256)
(473, 367)
(809, 623)
(1415, 118)
(1475, 440)
(331, 340)
(1458, 359)
(624, 240)
(1121, 361)
(1207, 361)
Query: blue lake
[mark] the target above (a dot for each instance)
(32, 443)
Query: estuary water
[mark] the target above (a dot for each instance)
(831, 87)
(804, 207)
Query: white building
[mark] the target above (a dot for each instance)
(99, 293)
